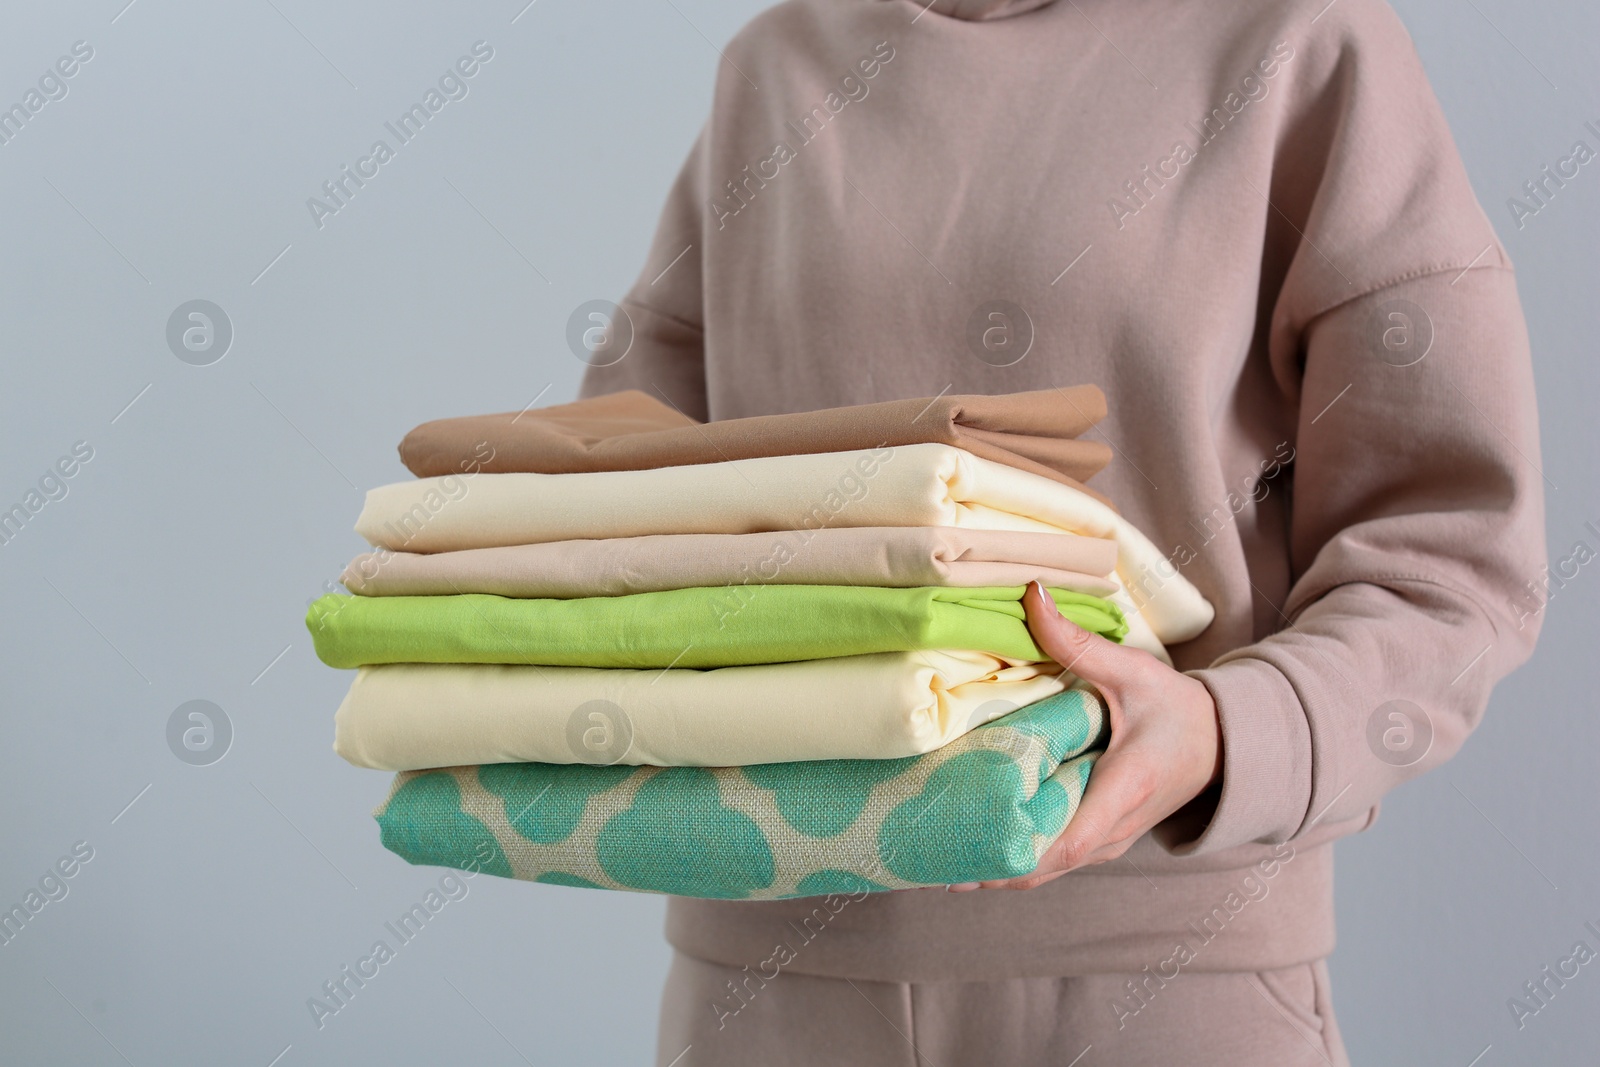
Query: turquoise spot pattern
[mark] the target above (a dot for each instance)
(1048, 809)
(544, 801)
(1064, 725)
(822, 798)
(423, 823)
(724, 854)
(950, 831)
(563, 878)
(823, 883)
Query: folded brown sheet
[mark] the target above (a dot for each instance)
(631, 430)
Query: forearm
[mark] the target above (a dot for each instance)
(1417, 530)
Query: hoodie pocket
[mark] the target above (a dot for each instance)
(1292, 991)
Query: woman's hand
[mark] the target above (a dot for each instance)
(1166, 745)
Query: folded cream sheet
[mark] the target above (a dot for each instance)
(882, 706)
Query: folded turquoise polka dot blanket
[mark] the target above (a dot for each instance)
(985, 806)
(720, 626)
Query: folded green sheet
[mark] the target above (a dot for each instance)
(985, 806)
(721, 626)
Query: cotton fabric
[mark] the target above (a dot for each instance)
(875, 555)
(1037, 431)
(1254, 305)
(912, 485)
(407, 716)
(985, 806)
(702, 627)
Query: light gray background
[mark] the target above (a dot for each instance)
(216, 505)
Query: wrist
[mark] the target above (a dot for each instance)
(1216, 743)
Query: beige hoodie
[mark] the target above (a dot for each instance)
(1248, 223)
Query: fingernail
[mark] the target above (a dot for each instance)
(960, 887)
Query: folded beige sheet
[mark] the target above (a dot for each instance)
(900, 556)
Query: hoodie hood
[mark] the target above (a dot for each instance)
(981, 10)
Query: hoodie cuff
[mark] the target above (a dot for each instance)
(1266, 760)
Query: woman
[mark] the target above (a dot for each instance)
(1248, 224)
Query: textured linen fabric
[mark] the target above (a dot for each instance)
(898, 556)
(704, 627)
(761, 1012)
(1246, 222)
(630, 430)
(408, 716)
(911, 485)
(984, 806)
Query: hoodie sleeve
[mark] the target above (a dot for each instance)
(664, 310)
(1416, 509)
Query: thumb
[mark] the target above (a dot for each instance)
(1102, 663)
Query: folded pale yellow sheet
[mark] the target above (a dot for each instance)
(898, 556)
(909, 485)
(882, 706)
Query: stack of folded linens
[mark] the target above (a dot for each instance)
(608, 646)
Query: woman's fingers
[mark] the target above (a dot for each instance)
(1091, 657)
(1094, 659)
(1107, 819)
(1165, 744)
(1105, 823)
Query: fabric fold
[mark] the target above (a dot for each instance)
(914, 485)
(885, 706)
(897, 556)
(630, 430)
(703, 627)
(985, 806)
